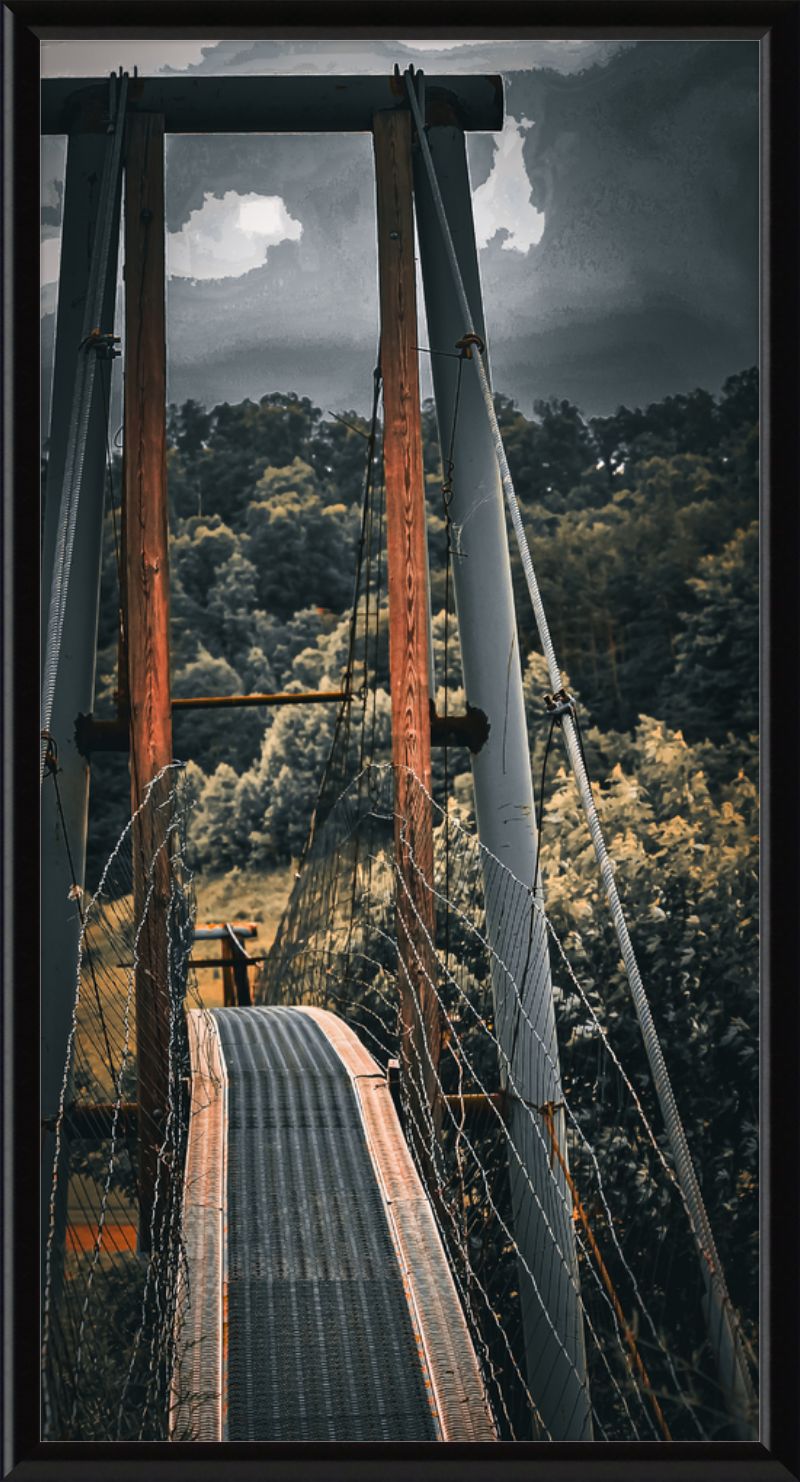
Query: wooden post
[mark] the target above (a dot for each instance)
(235, 977)
(228, 985)
(408, 622)
(147, 625)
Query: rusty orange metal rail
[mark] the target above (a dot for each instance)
(546, 1113)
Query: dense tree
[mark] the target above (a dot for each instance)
(188, 427)
(715, 679)
(632, 520)
(643, 529)
(686, 858)
(694, 423)
(302, 547)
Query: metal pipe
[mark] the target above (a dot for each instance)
(74, 683)
(243, 105)
(722, 1320)
(217, 961)
(525, 1020)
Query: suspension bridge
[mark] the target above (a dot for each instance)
(369, 1198)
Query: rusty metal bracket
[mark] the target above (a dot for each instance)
(467, 341)
(102, 735)
(96, 1120)
(471, 729)
(104, 345)
(114, 735)
(221, 702)
(478, 1110)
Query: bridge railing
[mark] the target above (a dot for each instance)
(110, 1283)
(592, 1157)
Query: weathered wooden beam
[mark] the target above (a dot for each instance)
(408, 624)
(274, 105)
(146, 620)
(235, 979)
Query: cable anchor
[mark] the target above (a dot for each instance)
(559, 704)
(103, 344)
(51, 753)
(465, 343)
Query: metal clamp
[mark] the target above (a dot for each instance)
(51, 752)
(468, 340)
(559, 704)
(103, 344)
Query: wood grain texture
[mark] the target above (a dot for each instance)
(146, 524)
(146, 621)
(405, 501)
(408, 614)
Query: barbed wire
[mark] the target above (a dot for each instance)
(111, 1317)
(339, 927)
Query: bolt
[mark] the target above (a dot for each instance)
(394, 236)
(146, 215)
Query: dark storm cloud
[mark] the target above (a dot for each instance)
(645, 281)
(643, 159)
(309, 316)
(372, 55)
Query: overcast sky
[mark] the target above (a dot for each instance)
(616, 216)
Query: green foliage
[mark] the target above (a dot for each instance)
(685, 854)
(697, 423)
(616, 579)
(551, 456)
(717, 654)
(642, 531)
(260, 813)
(302, 547)
(215, 459)
(619, 514)
(644, 537)
(244, 440)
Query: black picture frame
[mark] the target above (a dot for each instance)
(777, 25)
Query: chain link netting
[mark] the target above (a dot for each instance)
(651, 1374)
(115, 1250)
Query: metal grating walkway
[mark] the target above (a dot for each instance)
(320, 1303)
(320, 1342)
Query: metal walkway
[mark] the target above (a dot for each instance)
(321, 1306)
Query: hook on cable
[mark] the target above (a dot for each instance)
(416, 80)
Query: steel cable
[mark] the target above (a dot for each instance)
(711, 1265)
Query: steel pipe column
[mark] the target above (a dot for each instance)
(74, 691)
(525, 1023)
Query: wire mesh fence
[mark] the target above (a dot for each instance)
(649, 1370)
(120, 1301)
(114, 1248)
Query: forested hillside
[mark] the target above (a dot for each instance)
(643, 528)
(643, 533)
(644, 537)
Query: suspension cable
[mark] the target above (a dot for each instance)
(712, 1267)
